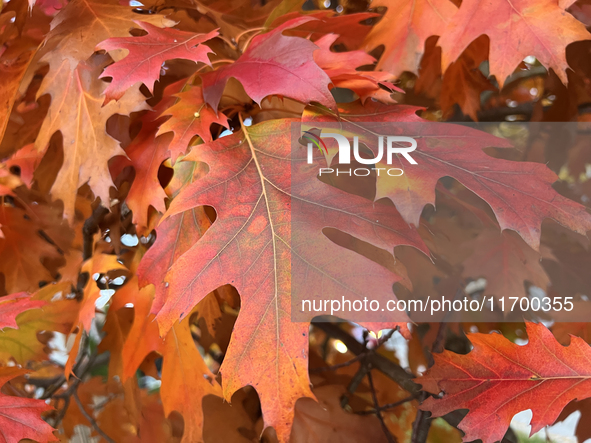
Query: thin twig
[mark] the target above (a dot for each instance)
(90, 227)
(339, 365)
(422, 423)
(91, 420)
(62, 413)
(387, 336)
(387, 406)
(377, 361)
(355, 381)
(378, 412)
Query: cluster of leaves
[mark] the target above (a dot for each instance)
(145, 218)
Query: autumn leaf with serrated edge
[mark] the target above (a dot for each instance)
(147, 54)
(498, 379)
(249, 246)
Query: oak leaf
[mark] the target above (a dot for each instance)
(97, 265)
(58, 314)
(147, 54)
(233, 18)
(22, 242)
(190, 116)
(13, 305)
(516, 29)
(498, 379)
(12, 69)
(185, 380)
(351, 28)
(176, 234)
(143, 337)
(404, 30)
(274, 64)
(249, 246)
(83, 24)
(77, 111)
(463, 82)
(455, 151)
(326, 421)
(146, 153)
(342, 67)
(506, 262)
(20, 418)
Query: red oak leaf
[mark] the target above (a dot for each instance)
(249, 246)
(498, 379)
(146, 55)
(13, 305)
(20, 418)
(342, 67)
(455, 151)
(351, 28)
(274, 64)
(147, 152)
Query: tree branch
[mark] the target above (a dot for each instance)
(378, 411)
(377, 361)
(90, 227)
(90, 419)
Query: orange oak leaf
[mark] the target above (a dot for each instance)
(498, 379)
(326, 421)
(177, 234)
(146, 152)
(249, 246)
(13, 305)
(351, 28)
(516, 29)
(74, 351)
(143, 422)
(116, 328)
(77, 111)
(274, 64)
(83, 24)
(190, 116)
(185, 377)
(147, 54)
(506, 262)
(88, 390)
(26, 248)
(12, 68)
(234, 17)
(463, 82)
(143, 337)
(455, 151)
(95, 266)
(342, 67)
(185, 380)
(404, 30)
(20, 418)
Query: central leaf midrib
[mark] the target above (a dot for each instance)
(273, 237)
